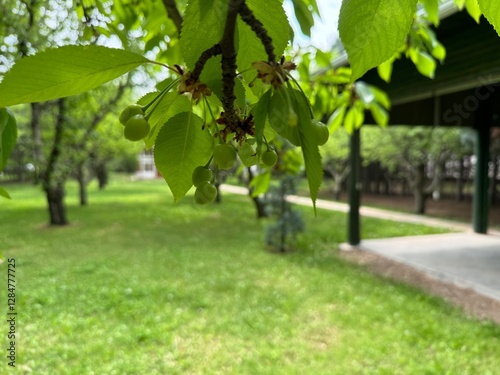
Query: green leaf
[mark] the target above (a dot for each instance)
(260, 111)
(337, 118)
(379, 114)
(283, 115)
(202, 27)
(372, 31)
(439, 52)
(8, 135)
(491, 10)
(64, 71)
(354, 118)
(426, 64)
(168, 106)
(349, 120)
(324, 60)
(308, 143)
(381, 97)
(385, 70)
(434, 46)
(304, 16)
(431, 8)
(4, 193)
(359, 115)
(260, 183)
(212, 77)
(473, 9)
(181, 146)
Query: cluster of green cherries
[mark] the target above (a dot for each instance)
(137, 128)
(135, 122)
(225, 158)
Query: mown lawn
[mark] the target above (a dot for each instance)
(138, 285)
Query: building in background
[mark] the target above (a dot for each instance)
(147, 168)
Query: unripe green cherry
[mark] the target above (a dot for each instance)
(137, 128)
(200, 175)
(225, 156)
(205, 193)
(269, 158)
(321, 131)
(131, 110)
(248, 155)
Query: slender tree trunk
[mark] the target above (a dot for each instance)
(260, 206)
(218, 197)
(54, 190)
(460, 181)
(337, 189)
(386, 184)
(82, 184)
(55, 200)
(102, 175)
(437, 184)
(419, 191)
(378, 177)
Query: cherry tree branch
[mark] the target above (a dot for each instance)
(207, 54)
(258, 28)
(173, 13)
(229, 61)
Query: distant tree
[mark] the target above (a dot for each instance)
(409, 151)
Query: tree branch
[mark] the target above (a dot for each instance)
(173, 13)
(207, 54)
(229, 62)
(258, 28)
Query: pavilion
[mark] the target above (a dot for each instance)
(464, 92)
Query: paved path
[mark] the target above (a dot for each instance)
(465, 258)
(366, 211)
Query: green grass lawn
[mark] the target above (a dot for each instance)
(138, 285)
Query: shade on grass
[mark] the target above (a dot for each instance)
(138, 285)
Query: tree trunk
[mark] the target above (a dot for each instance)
(337, 189)
(102, 175)
(437, 183)
(259, 203)
(218, 197)
(419, 191)
(57, 208)
(460, 181)
(82, 184)
(55, 190)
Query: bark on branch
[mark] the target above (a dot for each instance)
(173, 13)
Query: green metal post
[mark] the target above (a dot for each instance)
(480, 210)
(354, 236)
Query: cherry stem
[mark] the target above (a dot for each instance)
(157, 99)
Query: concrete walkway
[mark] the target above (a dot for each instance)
(465, 258)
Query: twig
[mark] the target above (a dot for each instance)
(173, 13)
(229, 62)
(207, 54)
(258, 28)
